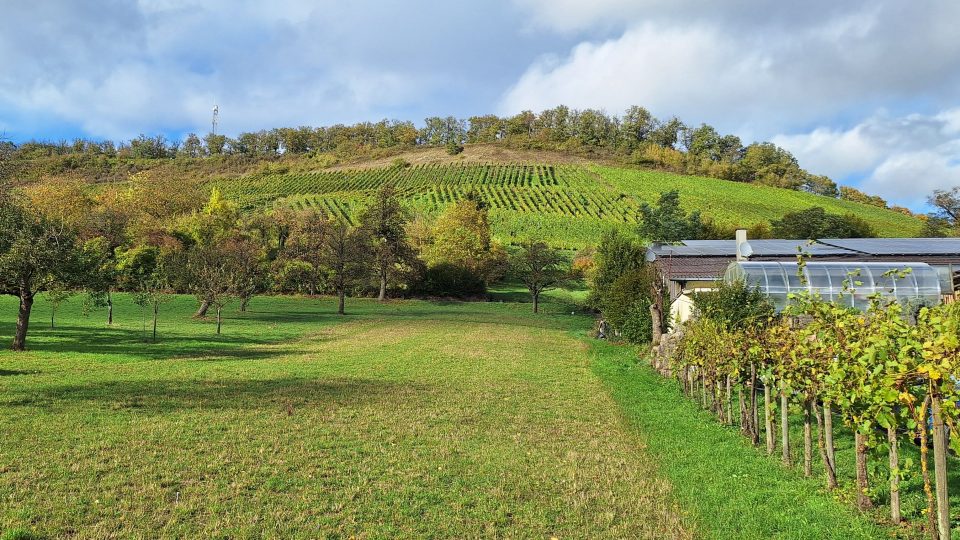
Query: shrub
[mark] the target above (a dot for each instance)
(733, 305)
(454, 148)
(451, 281)
(626, 305)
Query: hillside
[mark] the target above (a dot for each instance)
(567, 204)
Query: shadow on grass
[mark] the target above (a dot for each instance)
(164, 396)
(14, 372)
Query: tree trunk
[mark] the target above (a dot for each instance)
(202, 310)
(825, 443)
(656, 325)
(244, 302)
(341, 296)
(109, 309)
(785, 427)
(219, 309)
(729, 403)
(807, 439)
(383, 285)
(536, 302)
(894, 474)
(23, 321)
(744, 421)
(53, 313)
(156, 309)
(863, 499)
(768, 419)
(940, 468)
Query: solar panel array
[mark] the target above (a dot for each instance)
(828, 247)
(898, 246)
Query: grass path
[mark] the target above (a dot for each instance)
(409, 420)
(729, 488)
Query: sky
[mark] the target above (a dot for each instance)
(867, 92)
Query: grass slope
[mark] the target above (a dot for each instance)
(569, 205)
(412, 419)
(731, 489)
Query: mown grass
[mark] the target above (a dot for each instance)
(730, 488)
(411, 419)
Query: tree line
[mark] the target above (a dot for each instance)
(73, 240)
(636, 137)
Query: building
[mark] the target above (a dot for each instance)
(698, 265)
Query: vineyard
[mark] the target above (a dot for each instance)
(888, 374)
(567, 205)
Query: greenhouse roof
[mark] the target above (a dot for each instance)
(852, 283)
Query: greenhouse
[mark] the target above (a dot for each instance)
(915, 282)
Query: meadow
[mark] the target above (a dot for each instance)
(405, 419)
(567, 205)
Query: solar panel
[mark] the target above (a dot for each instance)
(764, 248)
(898, 246)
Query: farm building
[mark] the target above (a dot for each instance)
(698, 265)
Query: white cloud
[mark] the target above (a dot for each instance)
(751, 67)
(901, 158)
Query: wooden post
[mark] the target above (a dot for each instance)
(807, 439)
(754, 410)
(863, 499)
(894, 475)
(768, 419)
(940, 468)
(785, 427)
(729, 403)
(828, 439)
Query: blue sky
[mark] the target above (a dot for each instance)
(864, 91)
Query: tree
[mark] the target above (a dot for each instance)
(56, 296)
(385, 223)
(815, 223)
(461, 236)
(947, 204)
(211, 271)
(667, 222)
(36, 255)
(141, 270)
(540, 268)
(344, 255)
(216, 222)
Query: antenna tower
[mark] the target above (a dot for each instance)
(216, 113)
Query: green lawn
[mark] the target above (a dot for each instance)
(410, 419)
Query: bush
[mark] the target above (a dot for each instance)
(626, 306)
(451, 281)
(454, 148)
(733, 305)
(399, 163)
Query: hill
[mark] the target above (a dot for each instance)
(567, 204)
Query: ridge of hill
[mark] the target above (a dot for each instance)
(567, 202)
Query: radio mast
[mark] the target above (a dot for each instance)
(216, 113)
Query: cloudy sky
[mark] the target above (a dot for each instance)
(867, 92)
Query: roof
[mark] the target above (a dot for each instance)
(694, 269)
(707, 259)
(828, 246)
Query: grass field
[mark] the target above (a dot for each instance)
(410, 419)
(568, 205)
